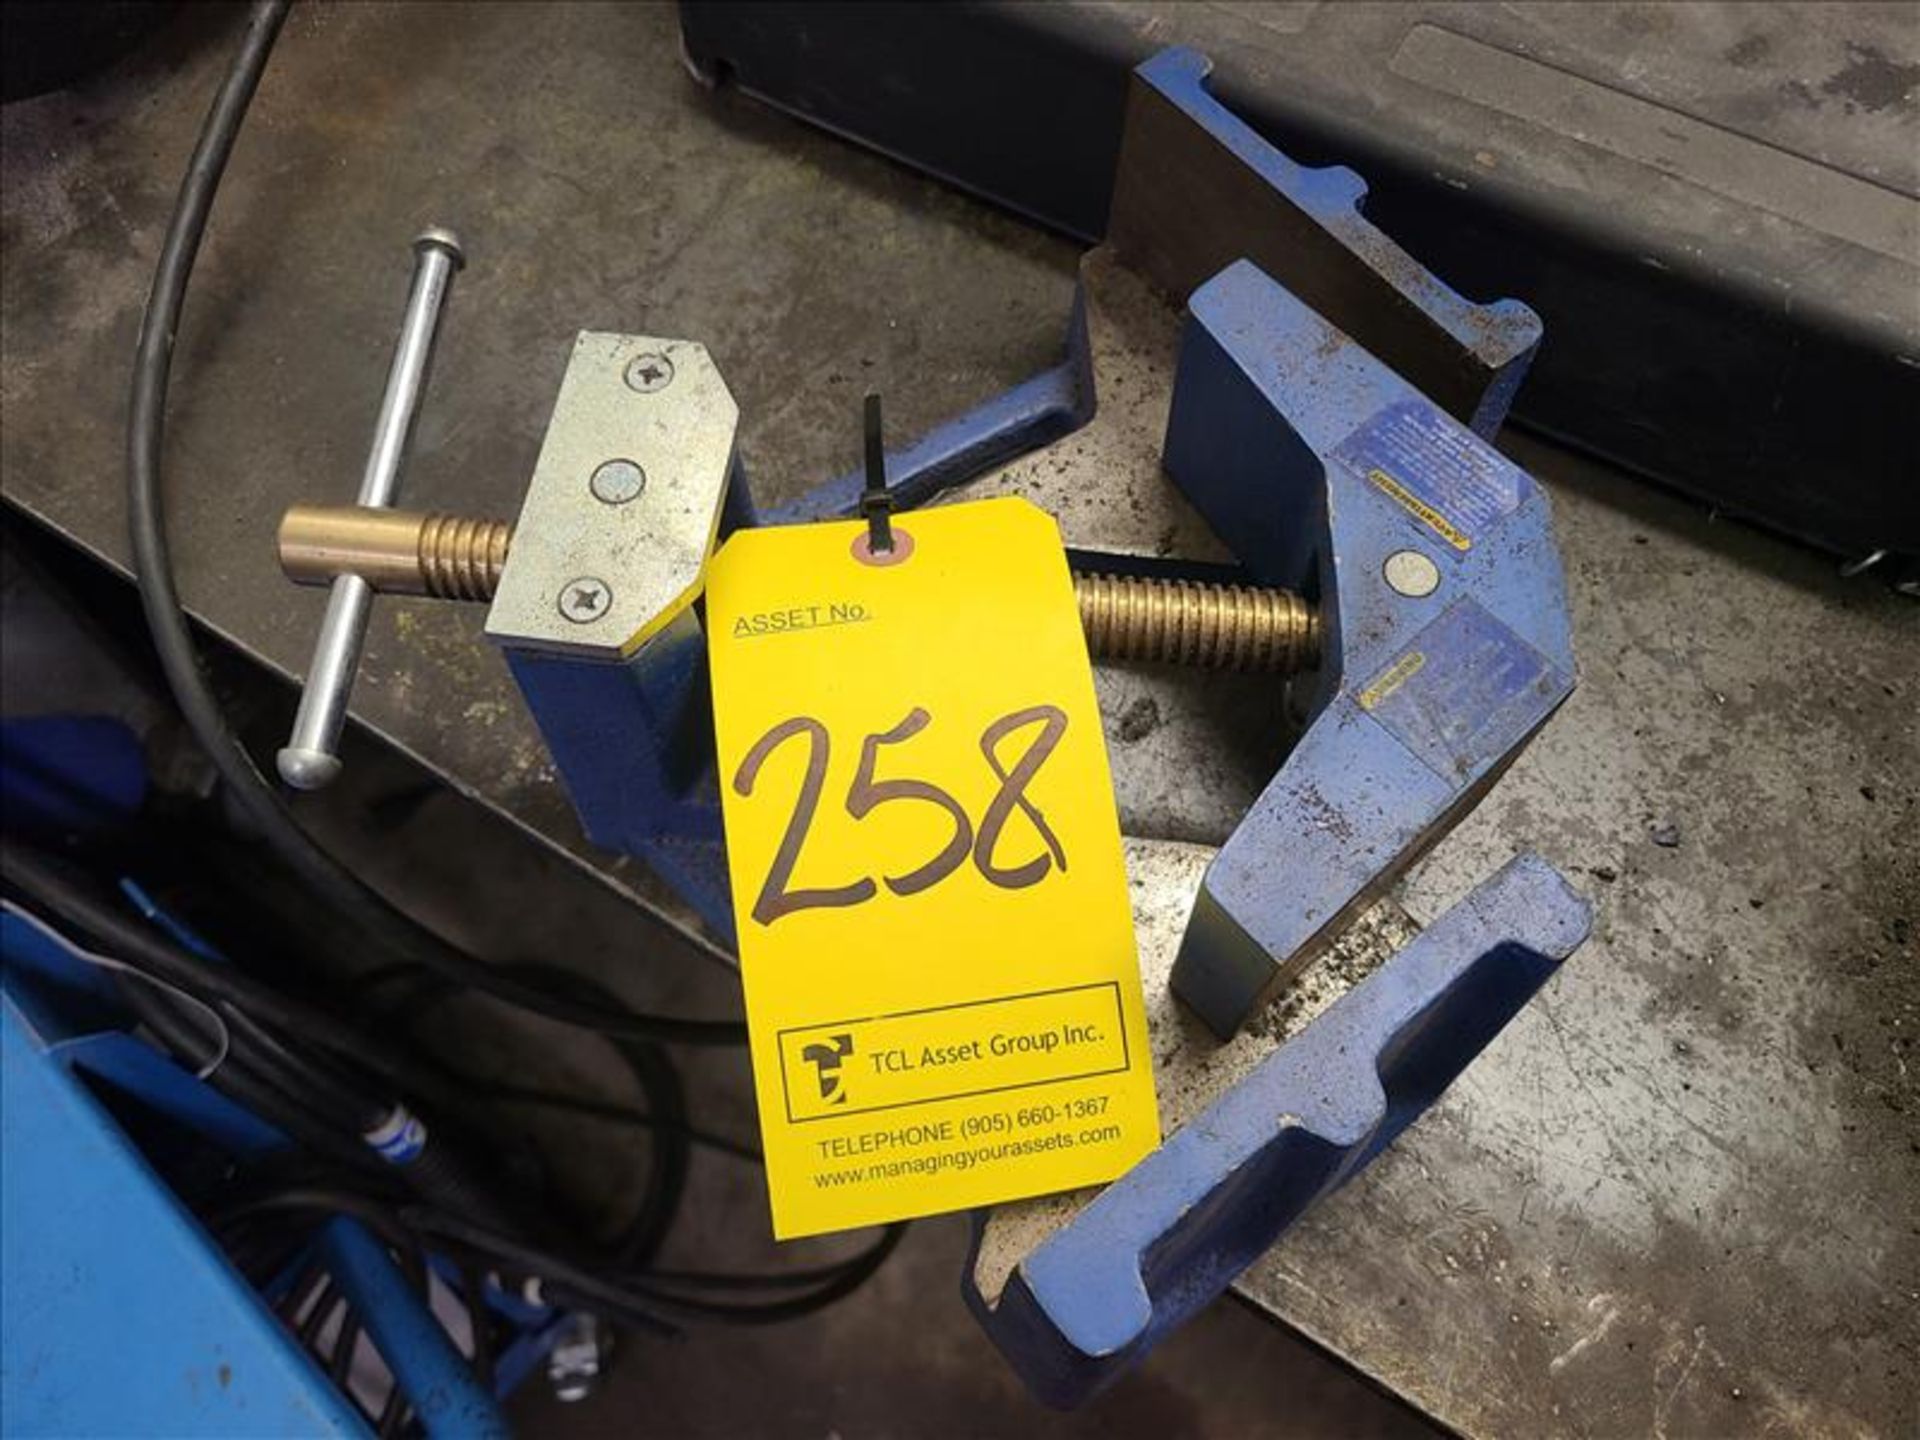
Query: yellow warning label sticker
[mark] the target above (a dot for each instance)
(1432, 518)
(1392, 678)
(943, 994)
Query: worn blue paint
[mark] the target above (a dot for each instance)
(1476, 697)
(1316, 462)
(633, 741)
(1167, 1237)
(626, 738)
(1412, 442)
(117, 1314)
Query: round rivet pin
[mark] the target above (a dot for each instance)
(1411, 574)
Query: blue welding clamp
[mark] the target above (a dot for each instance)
(1335, 430)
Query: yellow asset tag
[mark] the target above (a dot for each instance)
(942, 988)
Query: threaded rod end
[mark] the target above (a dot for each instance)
(1184, 622)
(461, 557)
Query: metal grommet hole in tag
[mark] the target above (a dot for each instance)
(866, 554)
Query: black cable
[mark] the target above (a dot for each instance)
(669, 1156)
(797, 1278)
(632, 1256)
(625, 1296)
(36, 876)
(173, 640)
(631, 1290)
(666, 1160)
(173, 1024)
(264, 1074)
(855, 1273)
(611, 1111)
(346, 1106)
(357, 1104)
(558, 1276)
(430, 990)
(397, 933)
(255, 1069)
(286, 1101)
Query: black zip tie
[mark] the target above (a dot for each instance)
(876, 504)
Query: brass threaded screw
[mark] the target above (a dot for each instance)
(1187, 622)
(461, 558)
(1126, 618)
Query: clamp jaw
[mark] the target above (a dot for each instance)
(1446, 640)
(1141, 1257)
(596, 611)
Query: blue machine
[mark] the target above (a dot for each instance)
(119, 1313)
(117, 1309)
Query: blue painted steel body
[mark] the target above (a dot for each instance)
(1171, 1234)
(1319, 463)
(633, 742)
(629, 739)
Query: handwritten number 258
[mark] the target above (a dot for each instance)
(866, 793)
